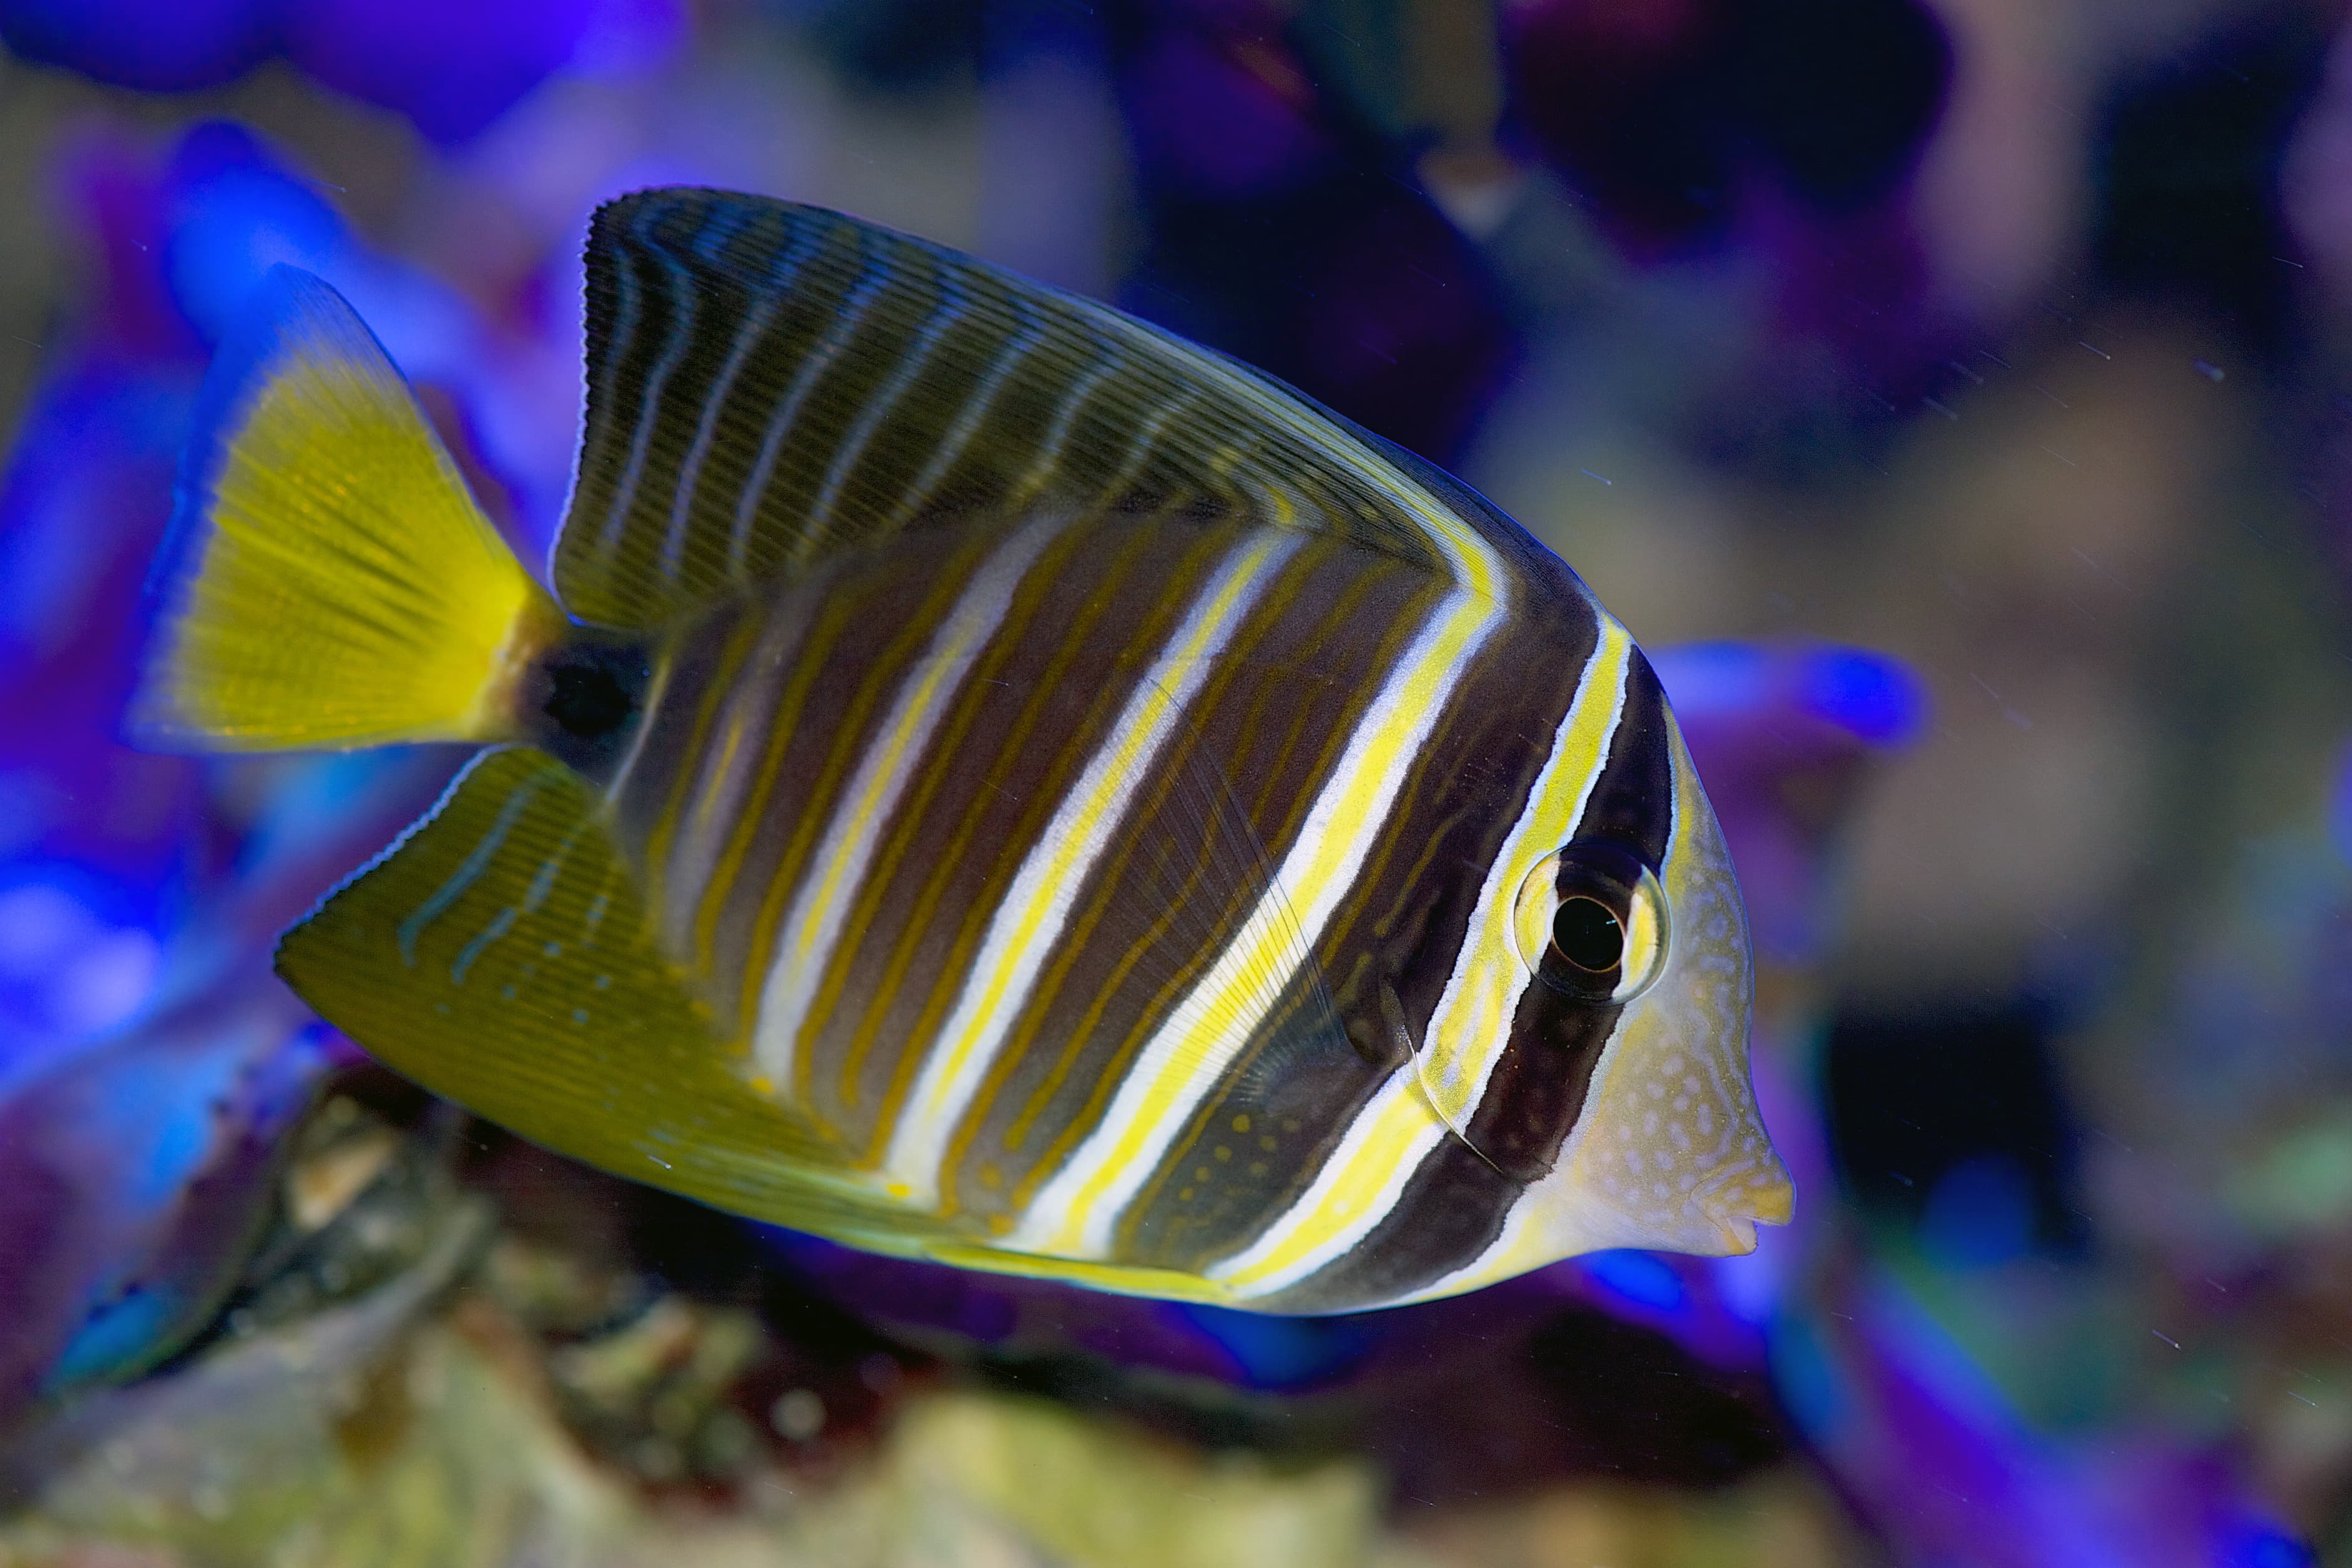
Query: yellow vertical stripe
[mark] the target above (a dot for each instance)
(1077, 1211)
(1363, 1176)
(815, 927)
(1028, 922)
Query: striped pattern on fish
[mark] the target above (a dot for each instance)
(734, 435)
(1004, 784)
(1080, 877)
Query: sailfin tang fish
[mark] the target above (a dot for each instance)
(992, 781)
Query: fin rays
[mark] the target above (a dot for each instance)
(835, 382)
(334, 585)
(502, 957)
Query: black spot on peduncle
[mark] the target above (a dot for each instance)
(588, 702)
(584, 700)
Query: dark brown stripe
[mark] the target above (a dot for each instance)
(1454, 1206)
(1056, 678)
(864, 630)
(656, 799)
(1402, 924)
(1634, 803)
(994, 733)
(848, 301)
(1133, 969)
(1183, 870)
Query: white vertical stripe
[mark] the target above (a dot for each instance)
(773, 290)
(879, 403)
(1473, 564)
(981, 398)
(628, 312)
(681, 331)
(1076, 1212)
(1065, 417)
(1029, 923)
(723, 774)
(814, 928)
(787, 412)
(1362, 1178)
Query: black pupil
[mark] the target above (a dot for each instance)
(587, 699)
(1588, 935)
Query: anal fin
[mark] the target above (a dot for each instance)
(1118, 1278)
(502, 956)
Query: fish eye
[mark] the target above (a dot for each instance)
(1587, 933)
(1592, 921)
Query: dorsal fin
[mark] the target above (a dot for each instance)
(769, 384)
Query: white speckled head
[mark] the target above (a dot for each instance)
(1669, 1151)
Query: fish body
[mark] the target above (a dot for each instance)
(1003, 785)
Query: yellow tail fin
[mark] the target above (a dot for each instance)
(331, 582)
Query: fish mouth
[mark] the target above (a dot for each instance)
(1767, 1197)
(1720, 1219)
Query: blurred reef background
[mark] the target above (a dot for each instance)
(1955, 396)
